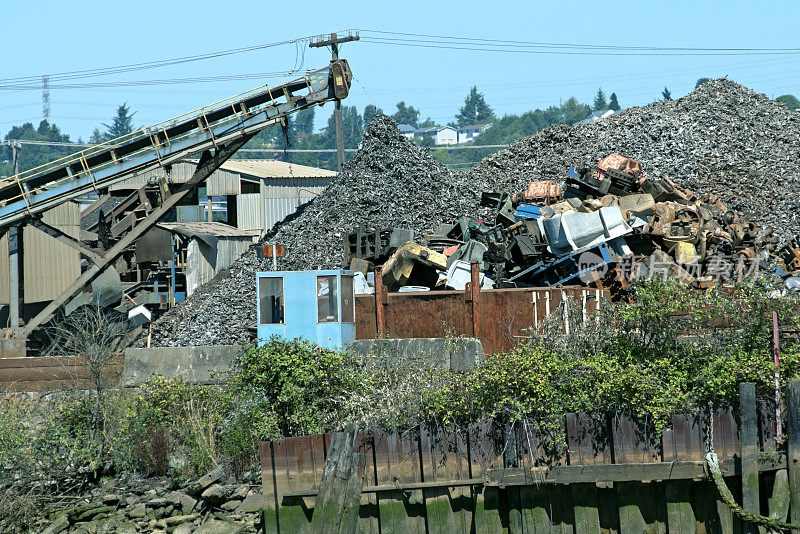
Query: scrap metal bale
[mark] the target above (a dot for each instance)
(375, 244)
(542, 192)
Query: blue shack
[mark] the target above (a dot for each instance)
(315, 305)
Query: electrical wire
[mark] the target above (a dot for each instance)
(477, 47)
(298, 150)
(103, 71)
(505, 42)
(167, 81)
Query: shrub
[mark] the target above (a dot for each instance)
(674, 349)
(299, 380)
(189, 427)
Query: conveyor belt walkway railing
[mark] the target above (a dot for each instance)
(216, 132)
(39, 189)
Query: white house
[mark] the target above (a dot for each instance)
(597, 116)
(471, 131)
(441, 135)
(406, 130)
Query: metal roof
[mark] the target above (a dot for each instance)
(481, 126)
(270, 168)
(216, 229)
(435, 129)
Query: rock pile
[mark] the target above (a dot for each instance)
(208, 505)
(722, 138)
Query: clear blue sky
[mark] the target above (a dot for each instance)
(49, 36)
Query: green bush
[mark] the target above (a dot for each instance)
(674, 349)
(300, 380)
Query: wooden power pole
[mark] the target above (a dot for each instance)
(334, 41)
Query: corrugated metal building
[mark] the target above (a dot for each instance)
(273, 190)
(211, 247)
(267, 191)
(221, 182)
(48, 266)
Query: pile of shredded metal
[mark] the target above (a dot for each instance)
(389, 182)
(721, 138)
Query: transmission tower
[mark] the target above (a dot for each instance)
(46, 97)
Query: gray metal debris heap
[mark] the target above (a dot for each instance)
(721, 138)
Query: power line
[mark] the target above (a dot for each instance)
(505, 42)
(293, 150)
(167, 81)
(477, 47)
(103, 71)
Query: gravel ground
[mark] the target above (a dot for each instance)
(721, 138)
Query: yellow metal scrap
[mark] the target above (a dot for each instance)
(397, 269)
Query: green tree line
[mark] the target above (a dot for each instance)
(299, 132)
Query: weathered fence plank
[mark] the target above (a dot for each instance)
(397, 462)
(368, 517)
(748, 443)
(584, 449)
(268, 487)
(793, 449)
(444, 459)
(486, 452)
(294, 513)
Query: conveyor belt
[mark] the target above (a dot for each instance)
(36, 190)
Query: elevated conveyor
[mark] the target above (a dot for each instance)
(214, 132)
(36, 190)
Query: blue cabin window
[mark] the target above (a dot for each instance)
(327, 299)
(270, 297)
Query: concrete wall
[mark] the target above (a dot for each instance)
(198, 365)
(460, 354)
(194, 364)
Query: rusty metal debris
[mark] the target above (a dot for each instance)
(614, 225)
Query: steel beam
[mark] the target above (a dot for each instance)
(68, 240)
(207, 165)
(14, 251)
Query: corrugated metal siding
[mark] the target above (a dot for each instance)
(220, 183)
(282, 196)
(250, 213)
(223, 183)
(190, 213)
(4, 274)
(49, 267)
(198, 268)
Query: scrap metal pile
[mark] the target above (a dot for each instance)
(613, 225)
(722, 139)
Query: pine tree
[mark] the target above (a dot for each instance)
(613, 103)
(304, 123)
(370, 112)
(666, 94)
(406, 115)
(122, 124)
(600, 103)
(475, 109)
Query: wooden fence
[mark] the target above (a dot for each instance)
(611, 474)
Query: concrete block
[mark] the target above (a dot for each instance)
(196, 365)
(13, 348)
(459, 354)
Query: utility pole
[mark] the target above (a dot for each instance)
(334, 41)
(15, 148)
